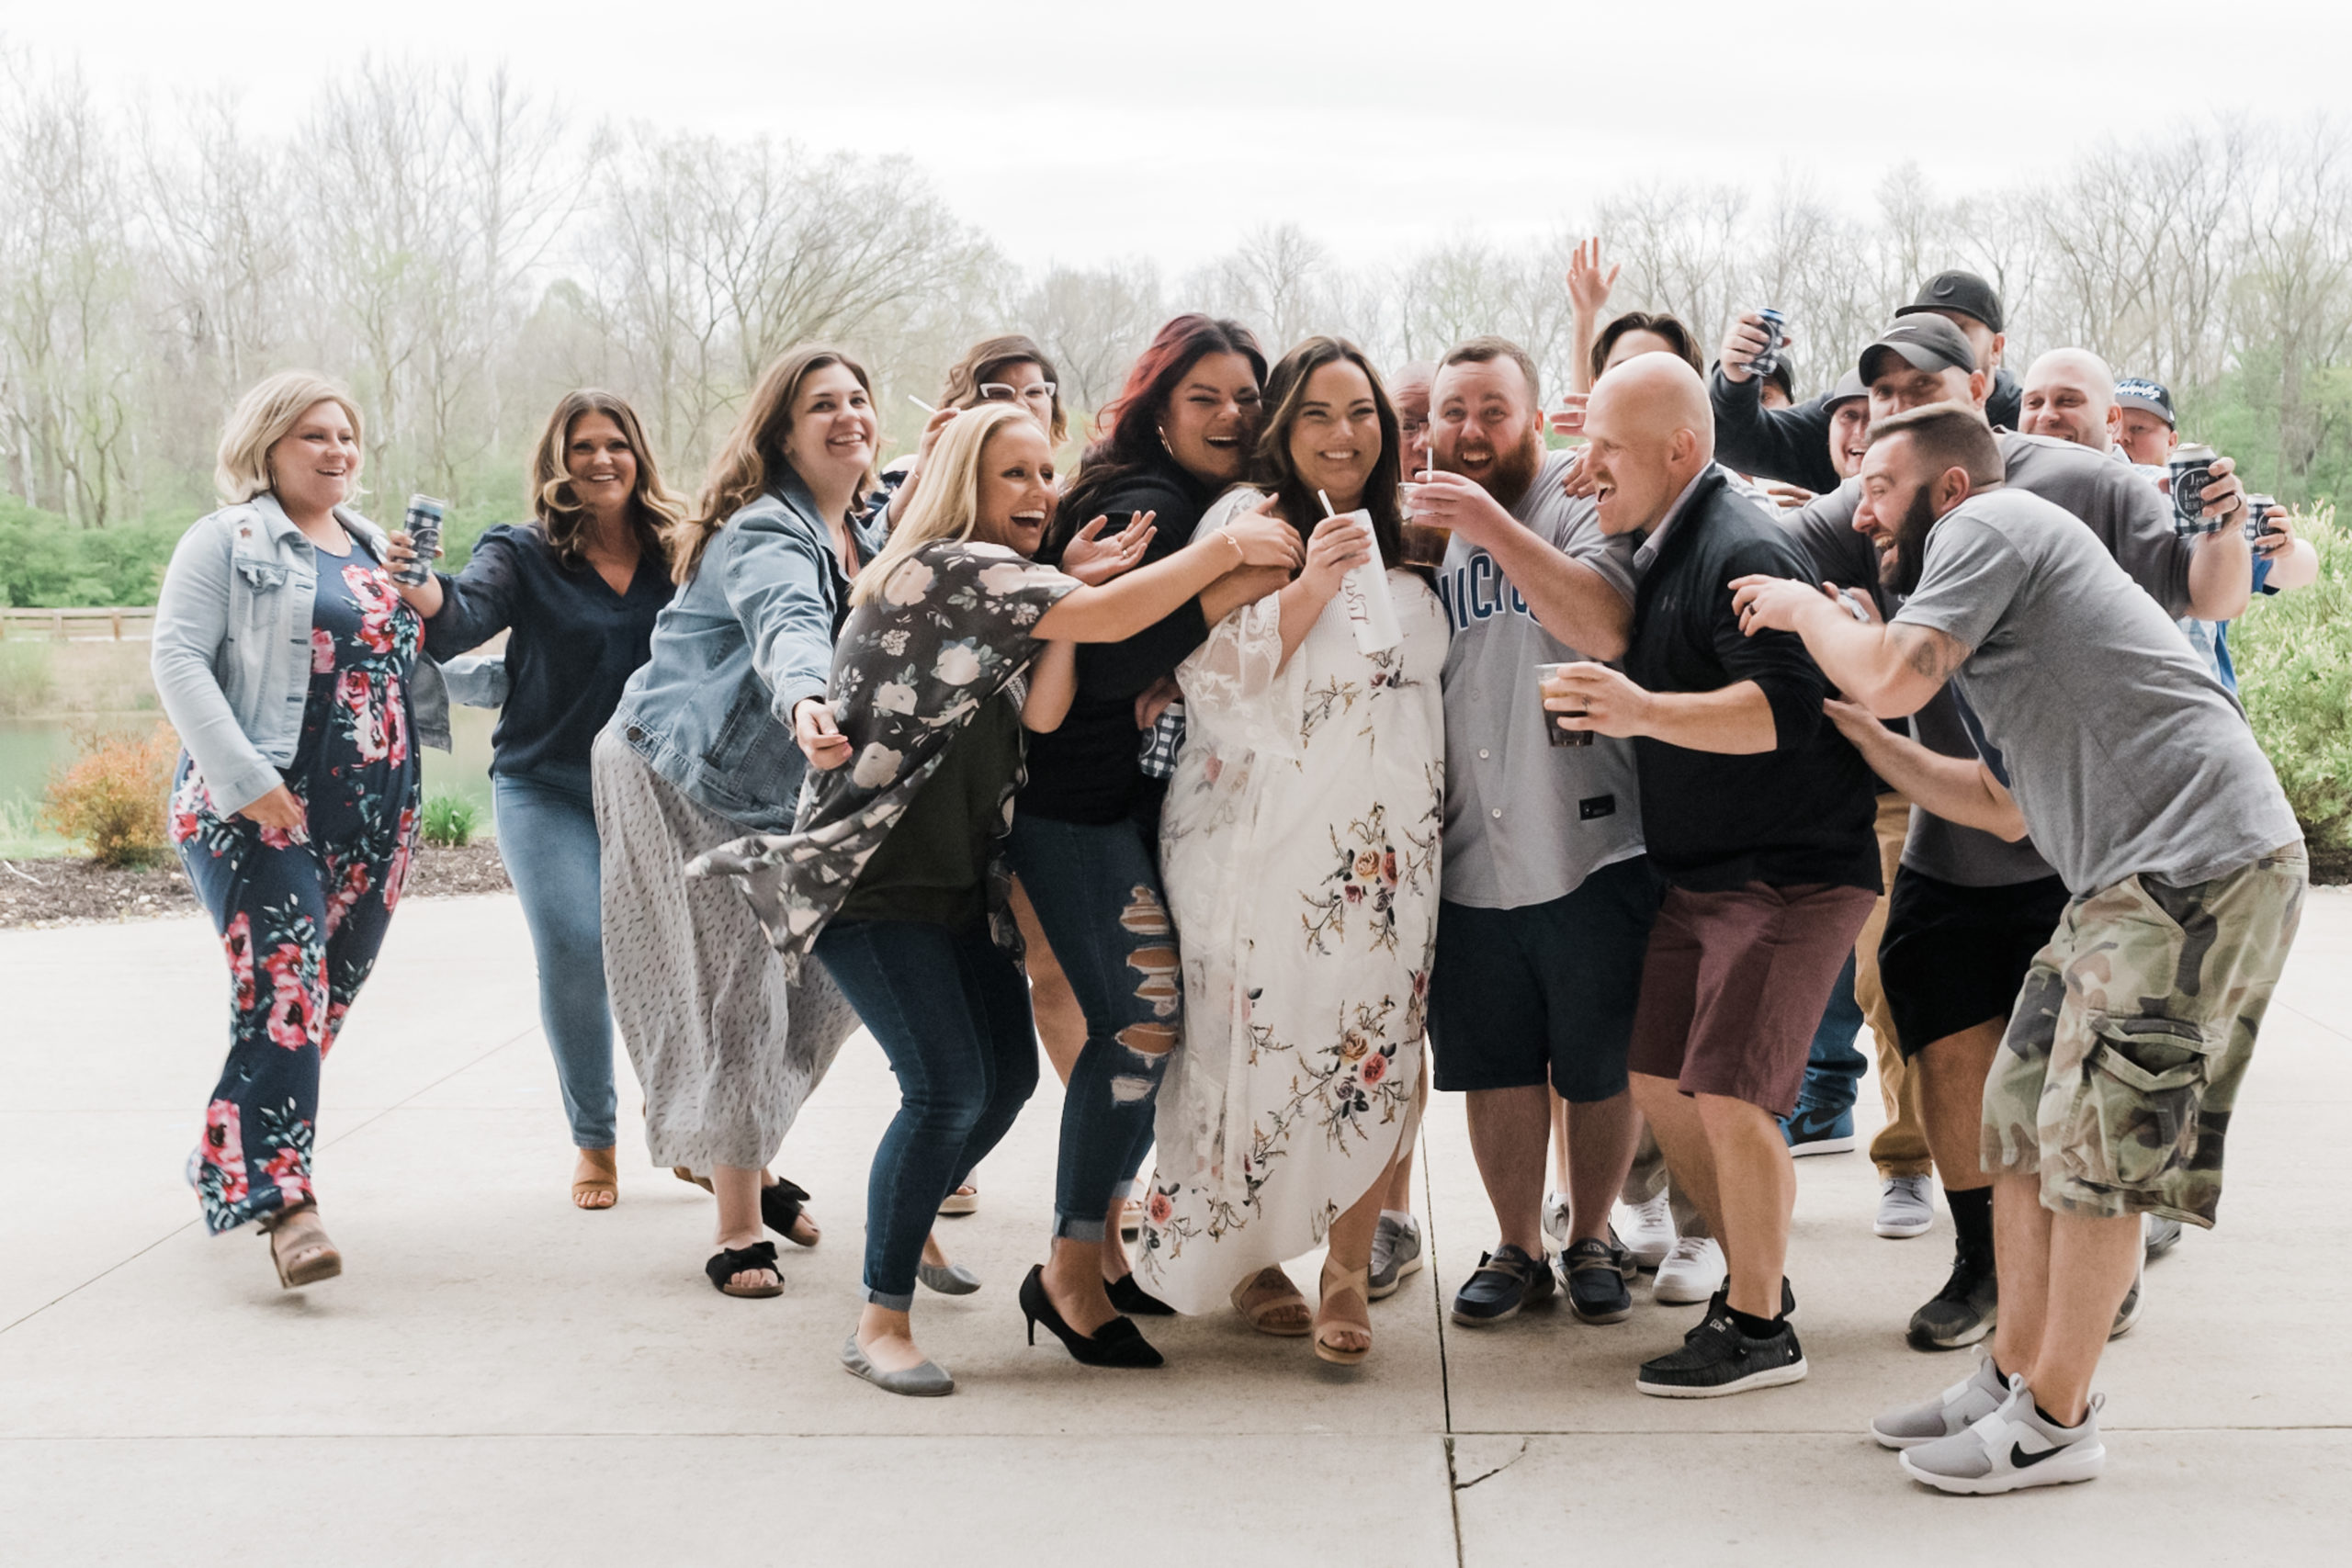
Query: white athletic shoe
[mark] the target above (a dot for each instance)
(1907, 1207)
(1646, 1230)
(1956, 1409)
(1692, 1272)
(2011, 1448)
(1556, 1218)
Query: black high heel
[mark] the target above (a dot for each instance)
(1133, 1300)
(1116, 1344)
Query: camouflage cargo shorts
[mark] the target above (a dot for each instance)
(2131, 1034)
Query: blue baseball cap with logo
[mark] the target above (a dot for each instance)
(2150, 397)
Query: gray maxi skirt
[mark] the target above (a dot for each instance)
(727, 1049)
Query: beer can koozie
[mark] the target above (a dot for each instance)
(2192, 467)
(1776, 327)
(1162, 741)
(424, 526)
(2258, 509)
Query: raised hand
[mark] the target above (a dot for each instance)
(1265, 536)
(1588, 289)
(1747, 338)
(1337, 547)
(1095, 561)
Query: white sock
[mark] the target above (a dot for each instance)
(1401, 1216)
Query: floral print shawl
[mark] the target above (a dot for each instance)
(949, 631)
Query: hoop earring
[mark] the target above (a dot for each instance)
(1163, 441)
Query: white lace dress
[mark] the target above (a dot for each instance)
(1299, 847)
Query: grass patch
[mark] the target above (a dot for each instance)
(451, 822)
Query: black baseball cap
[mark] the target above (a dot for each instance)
(1783, 378)
(1926, 343)
(2151, 396)
(1961, 291)
(1850, 387)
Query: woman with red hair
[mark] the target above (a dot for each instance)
(1086, 824)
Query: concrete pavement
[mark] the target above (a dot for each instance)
(499, 1379)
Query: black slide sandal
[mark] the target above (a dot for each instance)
(780, 1209)
(729, 1261)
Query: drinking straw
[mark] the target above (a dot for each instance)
(1328, 510)
(921, 404)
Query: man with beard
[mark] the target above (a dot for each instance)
(1788, 444)
(1548, 895)
(2098, 732)
(1968, 911)
(1759, 816)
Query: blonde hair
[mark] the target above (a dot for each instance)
(740, 473)
(653, 510)
(263, 418)
(949, 504)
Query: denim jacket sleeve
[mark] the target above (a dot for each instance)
(478, 602)
(191, 627)
(777, 583)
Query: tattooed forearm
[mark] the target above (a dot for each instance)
(1932, 654)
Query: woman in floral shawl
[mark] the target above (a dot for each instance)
(891, 876)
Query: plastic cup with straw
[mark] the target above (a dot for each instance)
(1372, 613)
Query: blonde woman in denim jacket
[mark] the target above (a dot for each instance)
(290, 667)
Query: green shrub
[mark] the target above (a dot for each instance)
(450, 821)
(2293, 653)
(110, 798)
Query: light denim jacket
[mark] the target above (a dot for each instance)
(749, 637)
(231, 654)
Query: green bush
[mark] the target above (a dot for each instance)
(450, 821)
(111, 798)
(2293, 653)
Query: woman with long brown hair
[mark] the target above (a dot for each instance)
(700, 750)
(576, 590)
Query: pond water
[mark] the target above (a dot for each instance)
(30, 749)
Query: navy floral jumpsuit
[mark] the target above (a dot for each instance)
(303, 913)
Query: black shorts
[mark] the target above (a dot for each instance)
(1546, 992)
(1954, 957)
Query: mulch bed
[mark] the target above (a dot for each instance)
(74, 892)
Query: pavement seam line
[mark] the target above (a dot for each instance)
(380, 1115)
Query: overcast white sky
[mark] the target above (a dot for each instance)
(1080, 132)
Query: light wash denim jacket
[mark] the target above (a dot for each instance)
(750, 636)
(231, 654)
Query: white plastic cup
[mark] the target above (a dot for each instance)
(1372, 613)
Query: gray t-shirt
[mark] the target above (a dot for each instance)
(1526, 821)
(2126, 757)
(2129, 519)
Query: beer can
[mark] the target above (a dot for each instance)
(2192, 467)
(1162, 741)
(422, 525)
(2258, 509)
(1776, 326)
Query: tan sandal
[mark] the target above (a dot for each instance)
(1353, 1281)
(606, 1182)
(1258, 1298)
(299, 1246)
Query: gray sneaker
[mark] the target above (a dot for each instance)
(2161, 1236)
(2009, 1449)
(1396, 1252)
(1905, 1207)
(2129, 1313)
(1956, 1409)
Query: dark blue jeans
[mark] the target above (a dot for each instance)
(1833, 1070)
(1096, 891)
(952, 1013)
(547, 836)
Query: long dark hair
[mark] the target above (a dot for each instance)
(753, 456)
(653, 510)
(1271, 469)
(1126, 432)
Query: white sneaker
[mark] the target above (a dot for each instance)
(1646, 1230)
(1956, 1409)
(1693, 1271)
(1556, 1218)
(1906, 1206)
(2011, 1448)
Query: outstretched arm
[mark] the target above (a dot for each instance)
(1890, 669)
(1958, 789)
(1118, 610)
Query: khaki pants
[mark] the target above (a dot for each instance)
(1901, 1146)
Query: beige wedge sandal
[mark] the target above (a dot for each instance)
(1336, 1284)
(1266, 1293)
(299, 1248)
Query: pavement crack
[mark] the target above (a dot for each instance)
(1461, 1486)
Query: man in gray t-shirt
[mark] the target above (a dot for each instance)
(2104, 735)
(1548, 897)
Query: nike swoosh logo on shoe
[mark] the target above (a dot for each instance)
(2024, 1460)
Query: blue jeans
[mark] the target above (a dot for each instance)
(1833, 1070)
(1096, 891)
(952, 1013)
(547, 835)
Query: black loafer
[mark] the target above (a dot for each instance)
(1505, 1281)
(1596, 1274)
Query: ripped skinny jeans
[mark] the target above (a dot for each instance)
(1096, 891)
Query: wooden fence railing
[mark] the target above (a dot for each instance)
(86, 623)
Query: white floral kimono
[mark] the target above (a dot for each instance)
(1299, 846)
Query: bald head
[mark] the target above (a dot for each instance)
(2070, 396)
(1409, 389)
(1652, 432)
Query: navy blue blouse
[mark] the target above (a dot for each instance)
(572, 645)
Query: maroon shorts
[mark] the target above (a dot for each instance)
(1735, 984)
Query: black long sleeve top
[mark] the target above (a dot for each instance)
(1792, 445)
(1800, 814)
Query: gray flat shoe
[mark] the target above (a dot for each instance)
(951, 1279)
(926, 1381)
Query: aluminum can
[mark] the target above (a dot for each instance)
(1777, 325)
(422, 525)
(2258, 509)
(1162, 741)
(2192, 466)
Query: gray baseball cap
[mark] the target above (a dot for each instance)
(1926, 343)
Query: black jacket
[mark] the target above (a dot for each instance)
(1792, 445)
(1802, 813)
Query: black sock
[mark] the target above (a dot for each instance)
(1750, 1325)
(2038, 1410)
(1972, 1216)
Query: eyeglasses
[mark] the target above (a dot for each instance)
(1040, 394)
